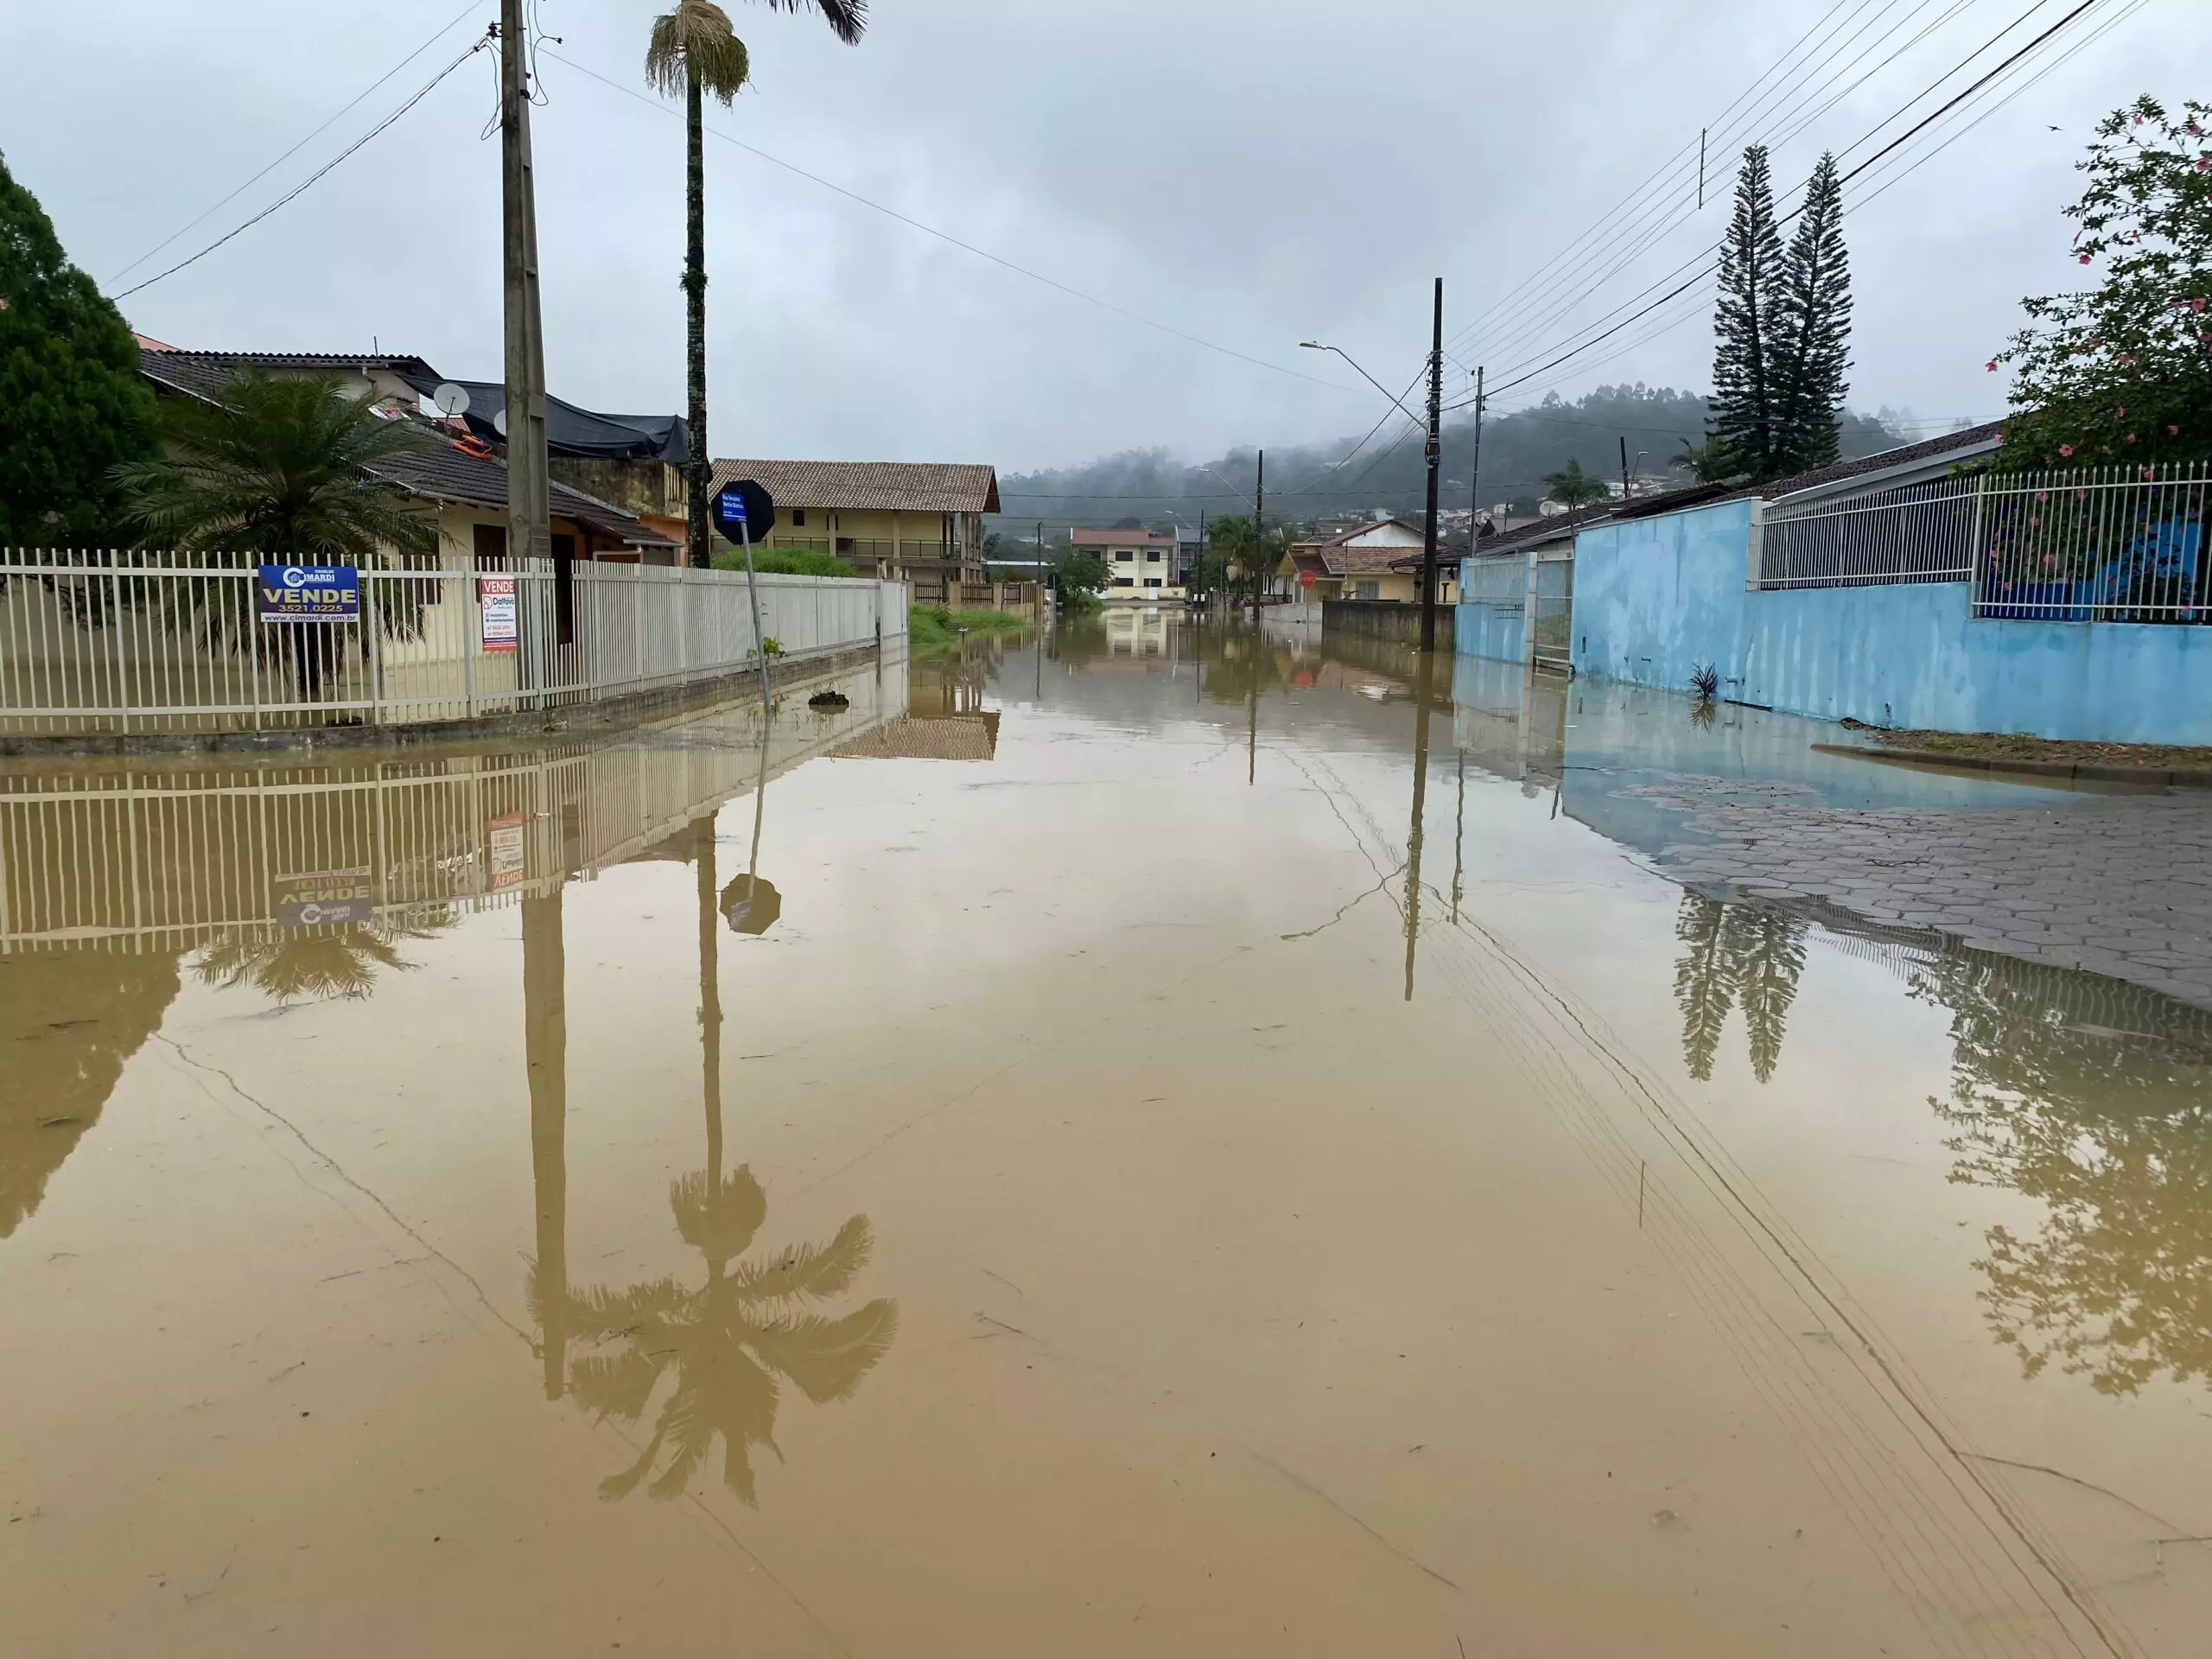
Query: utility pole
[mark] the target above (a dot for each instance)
(1435, 459)
(1623, 467)
(530, 532)
(1474, 468)
(1259, 528)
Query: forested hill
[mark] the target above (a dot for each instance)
(1517, 449)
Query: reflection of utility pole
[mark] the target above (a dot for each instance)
(545, 1048)
(710, 1002)
(1252, 730)
(1421, 686)
(1460, 840)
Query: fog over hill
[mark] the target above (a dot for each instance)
(1307, 482)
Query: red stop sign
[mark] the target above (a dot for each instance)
(1306, 578)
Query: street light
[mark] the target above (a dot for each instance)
(1316, 346)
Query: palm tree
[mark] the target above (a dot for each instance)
(1710, 462)
(693, 52)
(285, 467)
(279, 467)
(1573, 489)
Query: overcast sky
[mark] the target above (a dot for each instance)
(1251, 172)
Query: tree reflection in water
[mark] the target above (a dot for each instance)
(2088, 1094)
(727, 1341)
(321, 964)
(2093, 1097)
(1735, 952)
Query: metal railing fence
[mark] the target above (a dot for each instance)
(145, 642)
(2096, 545)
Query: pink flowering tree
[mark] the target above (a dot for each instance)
(2121, 374)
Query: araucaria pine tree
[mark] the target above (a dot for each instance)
(1746, 383)
(1812, 328)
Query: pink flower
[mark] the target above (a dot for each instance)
(2131, 437)
(2204, 163)
(1992, 366)
(2173, 431)
(2085, 259)
(2065, 448)
(2147, 471)
(2197, 304)
(2042, 495)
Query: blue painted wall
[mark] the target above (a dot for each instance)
(1655, 597)
(1499, 632)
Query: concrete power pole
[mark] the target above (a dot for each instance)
(529, 534)
(1435, 461)
(1259, 527)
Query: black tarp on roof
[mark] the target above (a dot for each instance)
(573, 431)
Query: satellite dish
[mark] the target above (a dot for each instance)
(500, 423)
(451, 399)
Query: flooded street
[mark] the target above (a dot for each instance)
(1162, 1141)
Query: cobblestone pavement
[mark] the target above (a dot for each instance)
(2121, 886)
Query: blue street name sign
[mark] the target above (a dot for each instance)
(743, 509)
(308, 592)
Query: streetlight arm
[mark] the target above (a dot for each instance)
(1316, 346)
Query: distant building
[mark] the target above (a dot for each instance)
(1141, 565)
(1369, 560)
(919, 522)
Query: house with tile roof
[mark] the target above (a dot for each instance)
(459, 480)
(919, 522)
(1379, 560)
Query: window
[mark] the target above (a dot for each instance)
(1123, 556)
(1367, 590)
(1152, 582)
(491, 546)
(1124, 582)
(798, 517)
(1151, 555)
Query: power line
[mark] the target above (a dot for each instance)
(458, 17)
(315, 177)
(965, 247)
(1887, 148)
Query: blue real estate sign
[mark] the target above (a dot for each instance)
(308, 592)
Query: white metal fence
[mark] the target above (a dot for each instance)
(139, 642)
(2102, 544)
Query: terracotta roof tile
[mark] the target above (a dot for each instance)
(871, 486)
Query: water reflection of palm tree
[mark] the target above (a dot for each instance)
(727, 1342)
(1731, 952)
(320, 963)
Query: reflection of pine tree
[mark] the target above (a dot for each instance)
(1704, 984)
(1767, 949)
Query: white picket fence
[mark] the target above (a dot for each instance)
(135, 642)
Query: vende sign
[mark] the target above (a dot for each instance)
(308, 592)
(495, 603)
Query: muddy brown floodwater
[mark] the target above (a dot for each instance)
(1172, 1143)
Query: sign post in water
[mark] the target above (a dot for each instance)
(741, 506)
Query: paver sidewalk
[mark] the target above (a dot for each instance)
(2119, 885)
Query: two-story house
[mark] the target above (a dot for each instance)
(1142, 565)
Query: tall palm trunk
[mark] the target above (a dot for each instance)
(700, 551)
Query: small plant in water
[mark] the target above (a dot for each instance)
(1705, 681)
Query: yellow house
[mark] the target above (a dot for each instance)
(1142, 567)
(920, 522)
(1378, 561)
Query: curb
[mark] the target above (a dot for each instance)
(565, 719)
(2087, 771)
